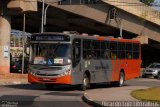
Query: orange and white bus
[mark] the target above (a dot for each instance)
(74, 59)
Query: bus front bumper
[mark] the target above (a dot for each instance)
(50, 80)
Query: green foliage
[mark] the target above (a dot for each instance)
(147, 2)
(149, 94)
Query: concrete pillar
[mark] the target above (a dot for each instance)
(5, 29)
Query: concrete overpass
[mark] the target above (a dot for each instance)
(134, 17)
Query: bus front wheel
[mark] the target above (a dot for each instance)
(85, 83)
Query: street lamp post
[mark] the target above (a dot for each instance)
(45, 12)
(42, 20)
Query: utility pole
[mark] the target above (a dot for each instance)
(23, 41)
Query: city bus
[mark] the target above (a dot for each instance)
(80, 59)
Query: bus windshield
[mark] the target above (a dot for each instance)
(51, 54)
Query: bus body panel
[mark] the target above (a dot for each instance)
(100, 71)
(43, 74)
(131, 69)
(107, 69)
(77, 74)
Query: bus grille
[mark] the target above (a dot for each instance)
(51, 68)
(47, 74)
(46, 80)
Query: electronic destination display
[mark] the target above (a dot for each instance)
(50, 37)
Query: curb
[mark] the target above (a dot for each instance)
(93, 103)
(13, 83)
(90, 101)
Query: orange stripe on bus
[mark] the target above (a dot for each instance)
(58, 80)
(131, 68)
(100, 38)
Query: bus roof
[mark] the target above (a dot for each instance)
(86, 36)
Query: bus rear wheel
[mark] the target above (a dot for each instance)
(121, 80)
(85, 83)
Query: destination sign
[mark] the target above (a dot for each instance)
(50, 37)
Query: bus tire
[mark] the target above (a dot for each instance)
(85, 83)
(49, 86)
(144, 76)
(120, 83)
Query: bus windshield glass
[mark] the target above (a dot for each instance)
(51, 54)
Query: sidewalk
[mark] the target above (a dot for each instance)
(13, 78)
(97, 97)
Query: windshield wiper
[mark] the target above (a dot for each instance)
(55, 50)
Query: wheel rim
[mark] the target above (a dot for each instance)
(121, 80)
(85, 82)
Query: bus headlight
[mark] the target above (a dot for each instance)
(33, 73)
(67, 71)
(69, 61)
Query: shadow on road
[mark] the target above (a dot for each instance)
(42, 87)
(134, 82)
(58, 88)
(26, 86)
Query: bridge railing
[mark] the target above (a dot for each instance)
(137, 8)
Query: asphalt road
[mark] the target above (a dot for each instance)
(149, 82)
(37, 96)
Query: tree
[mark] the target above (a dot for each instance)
(147, 2)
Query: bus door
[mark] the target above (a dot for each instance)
(76, 61)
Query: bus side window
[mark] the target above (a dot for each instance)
(113, 48)
(76, 51)
(136, 51)
(129, 56)
(129, 50)
(87, 49)
(106, 54)
(113, 55)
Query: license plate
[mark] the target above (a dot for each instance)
(46, 79)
